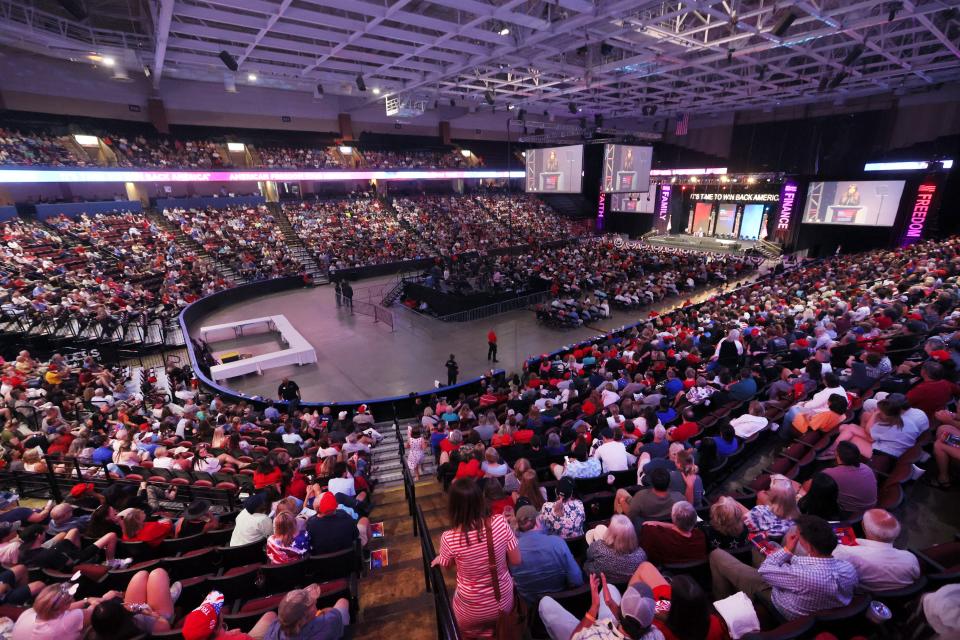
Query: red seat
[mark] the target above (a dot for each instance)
(202, 483)
(226, 486)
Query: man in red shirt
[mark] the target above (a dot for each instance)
(934, 392)
(686, 430)
(492, 346)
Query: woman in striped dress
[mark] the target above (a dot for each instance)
(465, 544)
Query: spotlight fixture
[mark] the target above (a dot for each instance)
(361, 85)
(229, 61)
(318, 91)
(505, 31)
(762, 73)
(488, 96)
(729, 56)
(784, 22)
(252, 77)
(572, 107)
(453, 102)
(837, 79)
(649, 110)
(522, 114)
(606, 49)
(598, 120)
(108, 61)
(853, 55)
(510, 107)
(376, 91)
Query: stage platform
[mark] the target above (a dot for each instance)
(733, 246)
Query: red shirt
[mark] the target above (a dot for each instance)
(446, 445)
(153, 533)
(664, 544)
(685, 431)
(523, 436)
(932, 395)
(261, 480)
(492, 337)
(496, 508)
(469, 469)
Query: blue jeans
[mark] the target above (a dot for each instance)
(560, 623)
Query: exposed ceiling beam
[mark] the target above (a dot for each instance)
(161, 36)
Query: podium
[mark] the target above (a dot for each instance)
(552, 181)
(843, 214)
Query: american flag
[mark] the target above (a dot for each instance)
(683, 124)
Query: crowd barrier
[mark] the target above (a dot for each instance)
(203, 202)
(383, 408)
(73, 209)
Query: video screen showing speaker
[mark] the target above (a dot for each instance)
(634, 202)
(726, 219)
(554, 169)
(870, 203)
(626, 168)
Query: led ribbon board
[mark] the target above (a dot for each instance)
(28, 176)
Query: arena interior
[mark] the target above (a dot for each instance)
(457, 319)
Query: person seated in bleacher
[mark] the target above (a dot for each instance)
(136, 528)
(856, 482)
(776, 509)
(726, 529)
(546, 564)
(63, 552)
(565, 516)
(885, 431)
(614, 550)
(144, 607)
(656, 502)
(206, 622)
(299, 619)
(818, 403)
(333, 528)
(252, 523)
(879, 565)
(679, 540)
(195, 519)
(801, 578)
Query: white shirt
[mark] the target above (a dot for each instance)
(609, 397)
(165, 462)
(612, 456)
(251, 527)
(818, 403)
(341, 485)
(881, 567)
(291, 438)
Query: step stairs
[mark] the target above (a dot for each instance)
(395, 597)
(298, 250)
(393, 294)
(192, 246)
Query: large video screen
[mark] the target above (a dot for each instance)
(726, 219)
(701, 218)
(634, 202)
(871, 203)
(554, 169)
(626, 168)
(752, 221)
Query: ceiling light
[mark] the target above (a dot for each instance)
(751, 180)
(108, 61)
(505, 31)
(86, 141)
(252, 77)
(376, 91)
(510, 107)
(693, 179)
(345, 150)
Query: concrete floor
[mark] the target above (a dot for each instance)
(358, 359)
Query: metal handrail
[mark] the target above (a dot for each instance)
(479, 313)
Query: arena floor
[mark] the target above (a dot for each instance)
(357, 359)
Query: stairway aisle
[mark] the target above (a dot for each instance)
(296, 246)
(192, 246)
(393, 600)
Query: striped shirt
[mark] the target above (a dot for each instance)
(475, 603)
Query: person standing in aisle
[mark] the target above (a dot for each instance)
(452, 370)
(348, 295)
(492, 345)
(338, 290)
(289, 391)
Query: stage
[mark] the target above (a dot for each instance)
(738, 246)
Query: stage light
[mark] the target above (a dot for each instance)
(489, 97)
(606, 49)
(108, 61)
(361, 85)
(693, 179)
(896, 166)
(510, 107)
(522, 115)
(729, 56)
(854, 55)
(229, 61)
(505, 31)
(252, 77)
(453, 102)
(572, 107)
(649, 110)
(784, 22)
(86, 141)
(318, 91)
(376, 91)
(762, 74)
(751, 180)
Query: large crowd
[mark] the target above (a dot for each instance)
(96, 277)
(601, 468)
(245, 239)
(165, 152)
